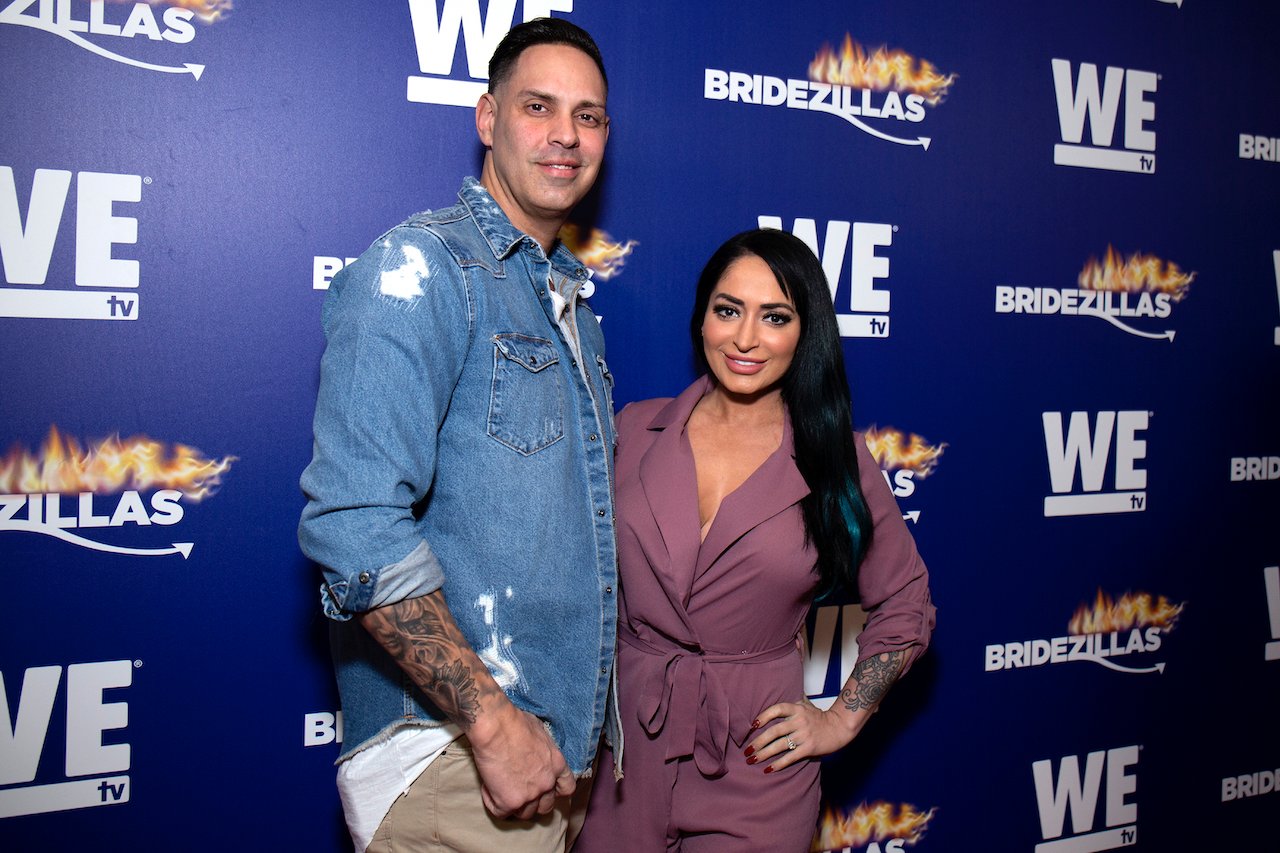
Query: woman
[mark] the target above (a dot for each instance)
(737, 502)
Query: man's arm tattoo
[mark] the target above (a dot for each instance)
(421, 636)
(873, 678)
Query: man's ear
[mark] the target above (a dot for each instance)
(486, 109)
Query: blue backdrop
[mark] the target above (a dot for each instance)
(1053, 237)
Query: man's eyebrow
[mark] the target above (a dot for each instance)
(547, 96)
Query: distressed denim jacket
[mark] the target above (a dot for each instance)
(459, 445)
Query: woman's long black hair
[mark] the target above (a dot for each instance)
(816, 392)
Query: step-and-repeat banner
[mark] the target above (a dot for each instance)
(1052, 236)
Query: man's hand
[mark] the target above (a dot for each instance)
(521, 770)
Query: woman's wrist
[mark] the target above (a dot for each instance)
(848, 720)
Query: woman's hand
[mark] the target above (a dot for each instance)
(801, 731)
(814, 733)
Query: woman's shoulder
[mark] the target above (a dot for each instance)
(637, 415)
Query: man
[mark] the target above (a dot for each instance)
(459, 498)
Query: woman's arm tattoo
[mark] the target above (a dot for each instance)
(420, 634)
(872, 679)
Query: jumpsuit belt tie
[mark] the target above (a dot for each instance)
(686, 700)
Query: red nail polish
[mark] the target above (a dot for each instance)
(755, 724)
(753, 761)
(768, 769)
(749, 751)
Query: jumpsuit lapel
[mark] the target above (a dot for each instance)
(773, 487)
(669, 480)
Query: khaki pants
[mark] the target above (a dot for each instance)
(442, 811)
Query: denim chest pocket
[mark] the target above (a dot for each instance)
(526, 405)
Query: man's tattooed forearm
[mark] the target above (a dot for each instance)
(421, 637)
(454, 691)
(871, 680)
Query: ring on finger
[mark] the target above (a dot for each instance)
(790, 743)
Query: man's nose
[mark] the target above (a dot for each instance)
(564, 131)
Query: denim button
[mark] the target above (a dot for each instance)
(608, 590)
(593, 436)
(600, 513)
(364, 577)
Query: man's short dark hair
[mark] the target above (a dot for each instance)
(540, 31)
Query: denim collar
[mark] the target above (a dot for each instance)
(503, 237)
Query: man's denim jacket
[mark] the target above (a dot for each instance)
(459, 445)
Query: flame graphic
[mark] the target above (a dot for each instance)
(893, 450)
(1136, 274)
(601, 254)
(883, 69)
(1131, 610)
(875, 822)
(110, 466)
(208, 11)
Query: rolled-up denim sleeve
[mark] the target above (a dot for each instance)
(397, 327)
(892, 580)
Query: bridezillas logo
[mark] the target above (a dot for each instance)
(865, 311)
(1101, 633)
(321, 727)
(436, 27)
(877, 827)
(124, 21)
(1082, 95)
(106, 285)
(92, 768)
(1118, 290)
(903, 460)
(1079, 795)
(886, 87)
(78, 495)
(1086, 449)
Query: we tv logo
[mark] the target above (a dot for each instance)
(865, 311)
(1271, 578)
(1071, 793)
(91, 767)
(832, 646)
(1083, 95)
(1086, 449)
(436, 30)
(27, 245)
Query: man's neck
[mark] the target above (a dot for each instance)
(545, 232)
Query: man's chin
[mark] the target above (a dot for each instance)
(561, 204)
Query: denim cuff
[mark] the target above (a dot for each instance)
(416, 575)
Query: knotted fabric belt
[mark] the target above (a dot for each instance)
(686, 699)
